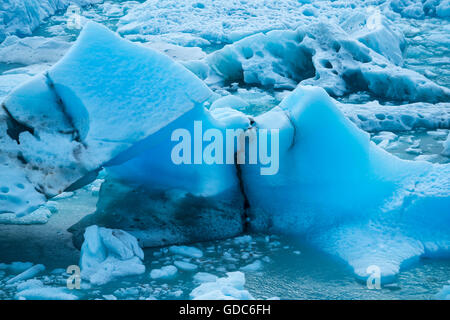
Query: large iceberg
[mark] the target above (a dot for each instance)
(80, 129)
(110, 103)
(21, 17)
(346, 195)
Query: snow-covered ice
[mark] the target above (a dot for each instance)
(107, 254)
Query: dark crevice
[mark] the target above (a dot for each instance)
(288, 115)
(245, 213)
(75, 133)
(15, 128)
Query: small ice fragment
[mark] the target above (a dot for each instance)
(186, 251)
(166, 272)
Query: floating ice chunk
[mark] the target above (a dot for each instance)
(46, 293)
(202, 277)
(27, 274)
(191, 252)
(165, 272)
(378, 202)
(107, 254)
(254, 266)
(228, 288)
(243, 239)
(185, 266)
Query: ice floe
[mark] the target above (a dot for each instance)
(107, 254)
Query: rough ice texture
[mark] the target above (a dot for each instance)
(322, 54)
(65, 123)
(419, 9)
(446, 151)
(362, 204)
(230, 287)
(21, 17)
(107, 254)
(172, 203)
(174, 16)
(373, 116)
(32, 50)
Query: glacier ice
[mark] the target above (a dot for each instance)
(419, 9)
(324, 55)
(346, 195)
(107, 254)
(111, 103)
(21, 17)
(48, 154)
(186, 251)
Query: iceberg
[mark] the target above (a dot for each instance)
(344, 194)
(107, 254)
